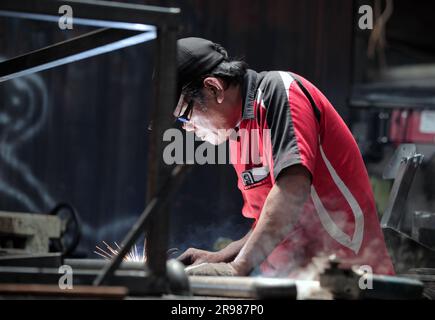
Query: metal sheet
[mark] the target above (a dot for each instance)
(82, 47)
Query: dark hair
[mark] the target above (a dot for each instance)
(230, 71)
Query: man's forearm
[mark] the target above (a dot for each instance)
(280, 213)
(233, 249)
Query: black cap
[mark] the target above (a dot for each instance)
(196, 57)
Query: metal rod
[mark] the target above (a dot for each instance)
(244, 287)
(154, 207)
(95, 13)
(88, 45)
(165, 81)
(98, 264)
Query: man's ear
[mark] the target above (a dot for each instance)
(216, 86)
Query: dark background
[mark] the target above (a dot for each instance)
(78, 133)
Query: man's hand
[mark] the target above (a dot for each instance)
(194, 256)
(212, 269)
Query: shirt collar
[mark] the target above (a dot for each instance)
(249, 89)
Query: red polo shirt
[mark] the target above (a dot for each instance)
(281, 127)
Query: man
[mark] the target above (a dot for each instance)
(307, 188)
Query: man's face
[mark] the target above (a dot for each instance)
(212, 118)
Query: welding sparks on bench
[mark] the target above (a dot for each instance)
(133, 256)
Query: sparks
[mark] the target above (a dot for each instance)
(109, 253)
(133, 256)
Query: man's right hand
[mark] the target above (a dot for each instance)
(194, 256)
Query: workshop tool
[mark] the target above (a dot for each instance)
(352, 283)
(427, 277)
(30, 233)
(71, 227)
(25, 233)
(405, 248)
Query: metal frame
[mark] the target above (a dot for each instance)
(402, 168)
(123, 25)
(405, 251)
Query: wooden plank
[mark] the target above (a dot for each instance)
(101, 292)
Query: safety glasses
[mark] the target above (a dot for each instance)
(185, 109)
(187, 114)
